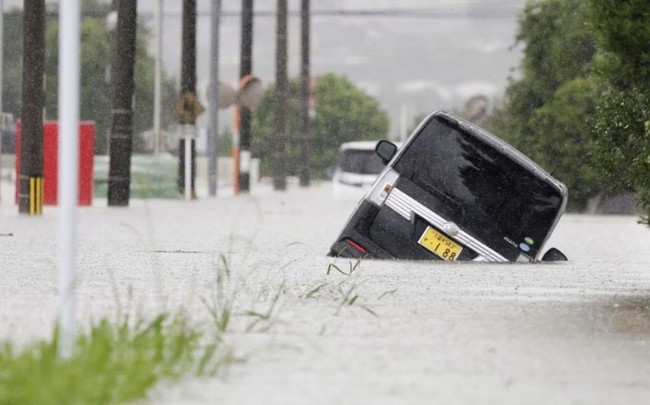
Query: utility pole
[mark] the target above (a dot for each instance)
(2, 18)
(305, 93)
(157, 136)
(121, 136)
(281, 93)
(245, 69)
(188, 107)
(30, 191)
(213, 96)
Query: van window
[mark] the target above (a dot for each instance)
(360, 161)
(498, 198)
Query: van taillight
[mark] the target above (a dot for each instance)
(383, 187)
(356, 246)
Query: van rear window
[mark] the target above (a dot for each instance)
(499, 199)
(360, 161)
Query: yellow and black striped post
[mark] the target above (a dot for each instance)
(36, 195)
(30, 197)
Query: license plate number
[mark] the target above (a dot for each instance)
(440, 245)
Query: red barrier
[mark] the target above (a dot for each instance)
(50, 161)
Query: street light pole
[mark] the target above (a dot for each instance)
(68, 170)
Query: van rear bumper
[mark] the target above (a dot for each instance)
(354, 242)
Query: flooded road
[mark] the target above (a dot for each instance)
(375, 332)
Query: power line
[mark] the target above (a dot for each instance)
(494, 12)
(442, 13)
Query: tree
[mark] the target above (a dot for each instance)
(12, 62)
(343, 113)
(96, 91)
(622, 117)
(546, 111)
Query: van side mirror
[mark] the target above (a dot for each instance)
(385, 150)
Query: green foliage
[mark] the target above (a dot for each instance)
(343, 113)
(12, 62)
(112, 363)
(623, 32)
(558, 44)
(564, 141)
(224, 142)
(96, 91)
(546, 111)
(622, 146)
(582, 105)
(621, 122)
(152, 176)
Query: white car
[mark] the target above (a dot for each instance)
(356, 170)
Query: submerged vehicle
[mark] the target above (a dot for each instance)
(455, 192)
(356, 170)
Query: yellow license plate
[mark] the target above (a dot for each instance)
(440, 244)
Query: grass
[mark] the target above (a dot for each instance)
(112, 363)
(352, 267)
(119, 361)
(263, 321)
(152, 176)
(345, 291)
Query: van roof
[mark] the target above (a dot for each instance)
(363, 145)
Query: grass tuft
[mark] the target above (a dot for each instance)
(352, 268)
(346, 291)
(114, 362)
(264, 321)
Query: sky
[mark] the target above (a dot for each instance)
(437, 59)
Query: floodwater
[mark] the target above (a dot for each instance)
(416, 333)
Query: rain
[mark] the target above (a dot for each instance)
(240, 264)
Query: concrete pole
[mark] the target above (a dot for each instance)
(68, 158)
(2, 18)
(121, 141)
(281, 97)
(157, 136)
(305, 94)
(213, 98)
(243, 155)
(187, 144)
(30, 184)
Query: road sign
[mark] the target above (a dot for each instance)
(187, 108)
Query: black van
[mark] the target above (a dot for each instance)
(455, 192)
